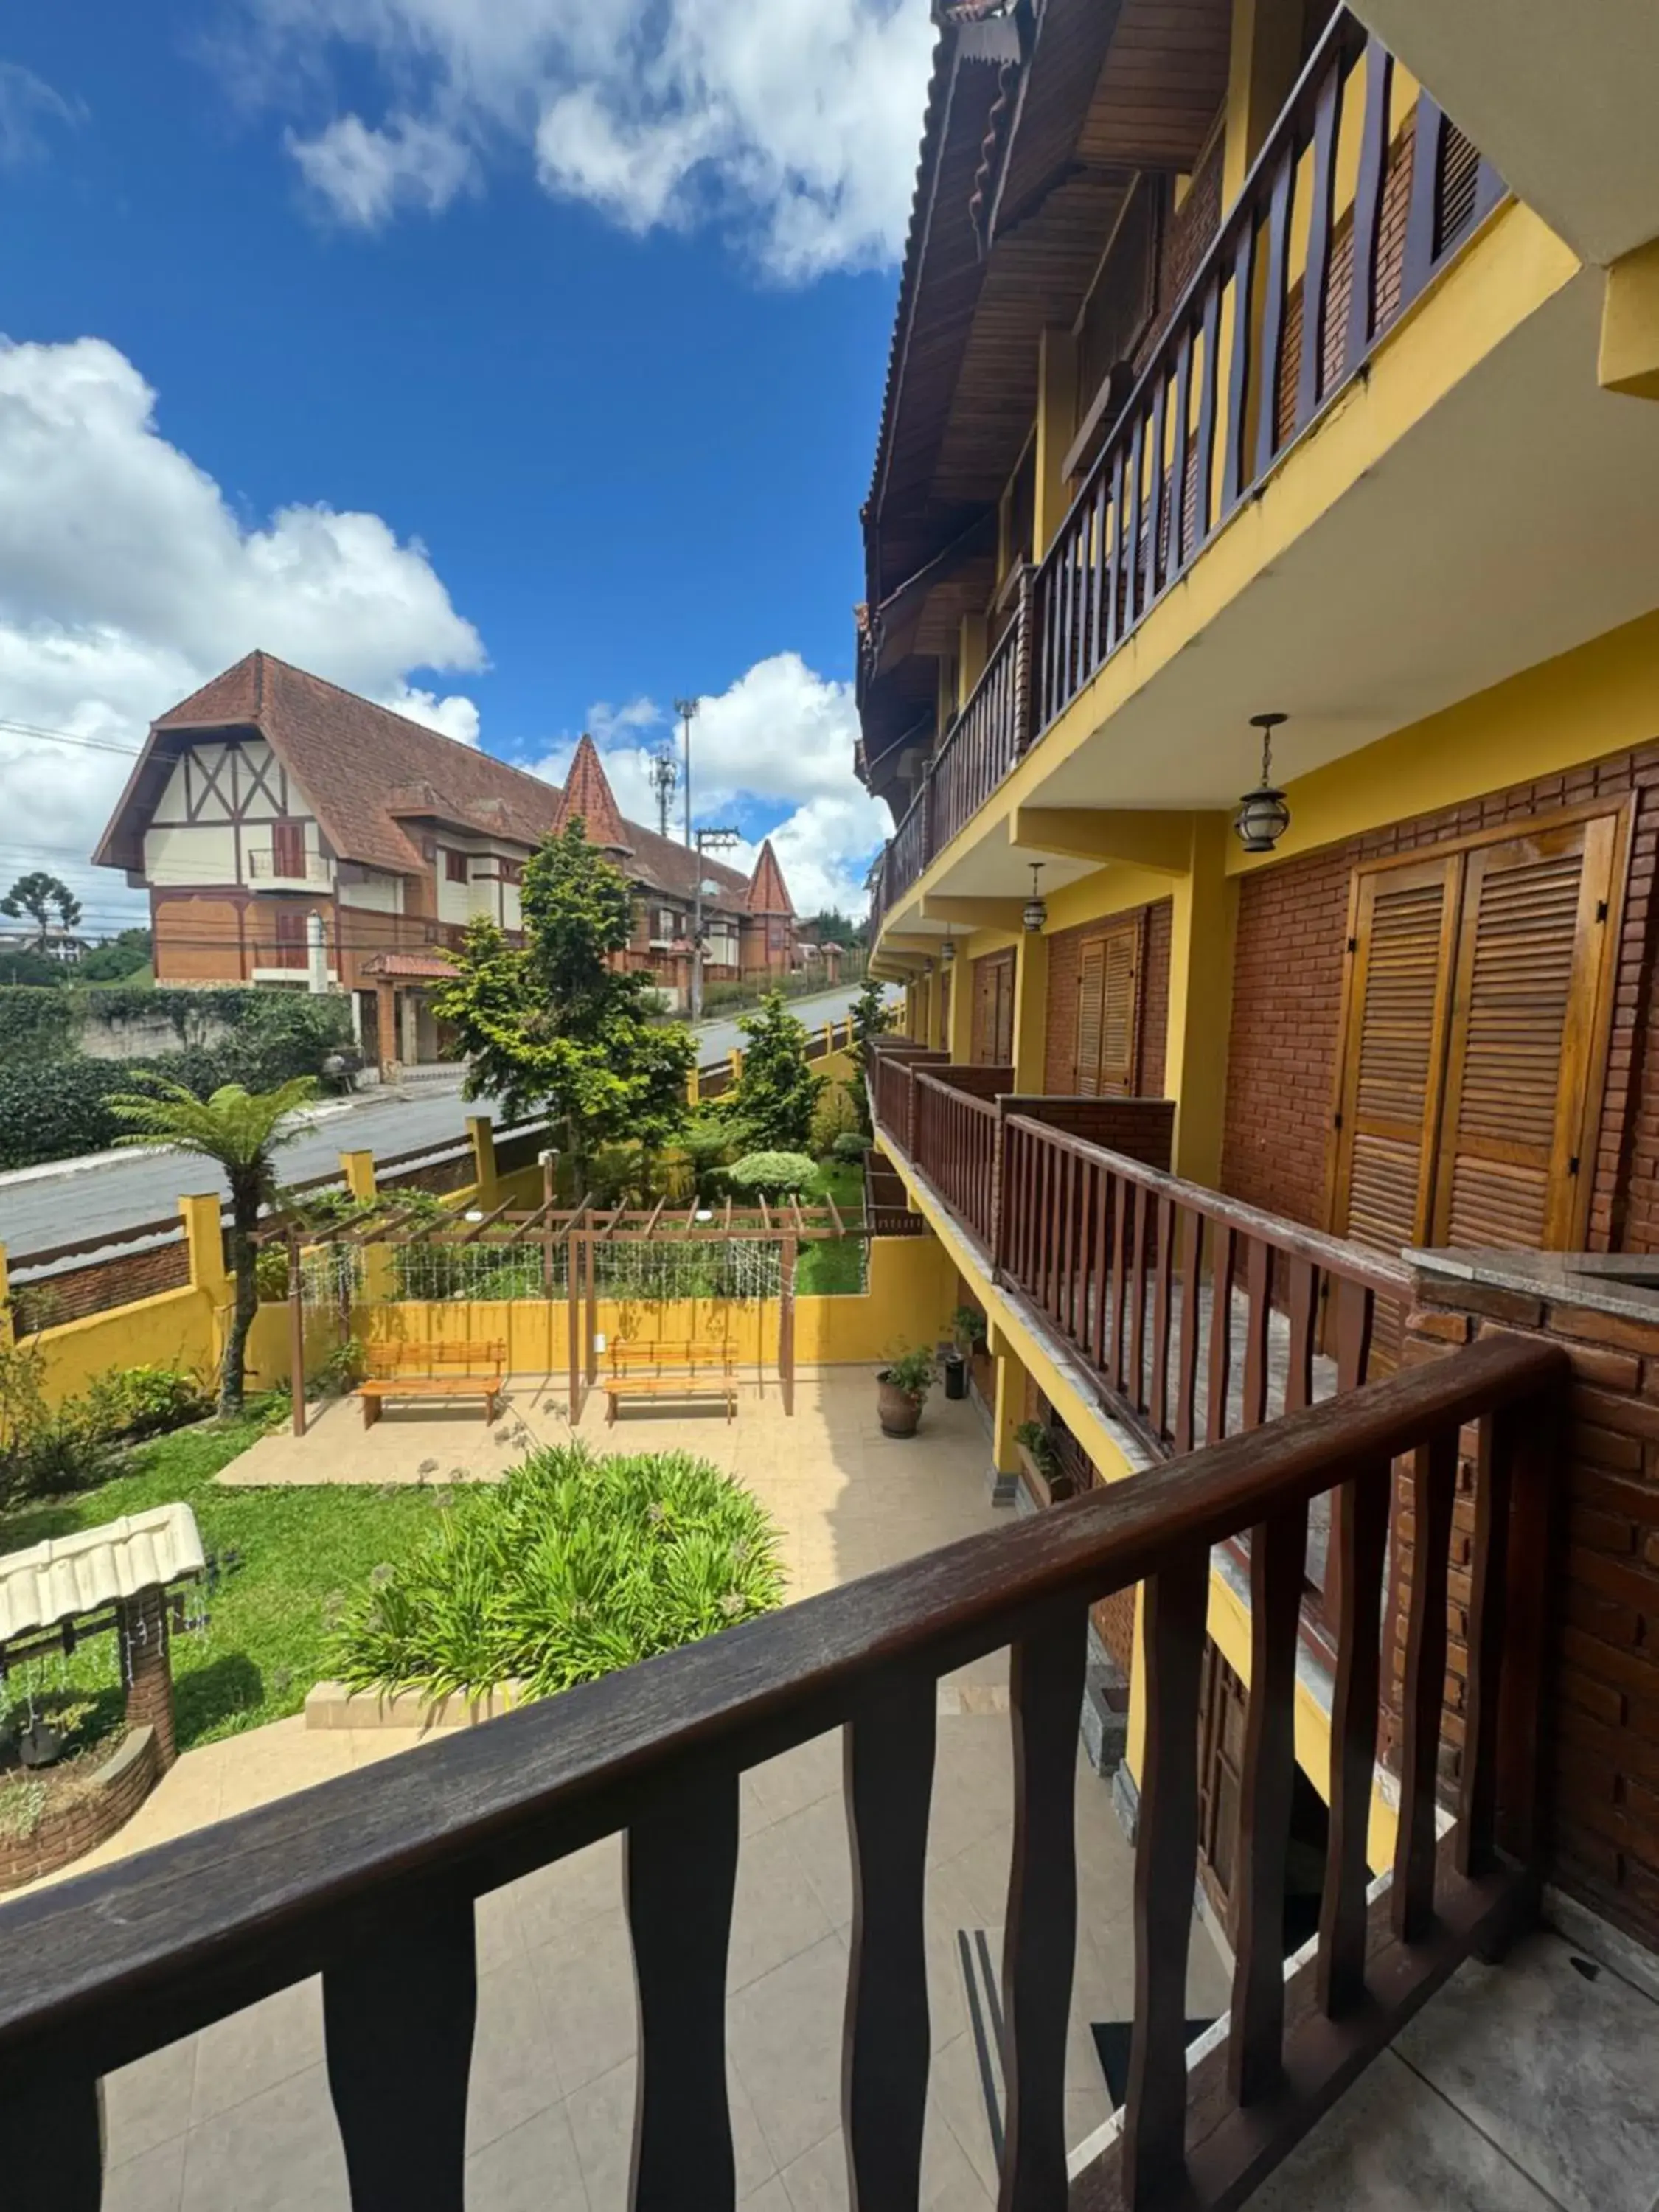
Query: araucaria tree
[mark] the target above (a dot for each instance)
(240, 1131)
(772, 1105)
(552, 1027)
(870, 1017)
(40, 896)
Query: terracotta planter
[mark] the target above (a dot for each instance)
(899, 1411)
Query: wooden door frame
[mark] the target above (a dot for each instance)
(1621, 810)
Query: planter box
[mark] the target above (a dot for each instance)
(1045, 1489)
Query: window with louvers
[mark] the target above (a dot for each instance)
(1108, 980)
(1478, 1002)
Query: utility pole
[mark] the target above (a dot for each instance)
(687, 711)
(705, 840)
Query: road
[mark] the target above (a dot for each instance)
(42, 1208)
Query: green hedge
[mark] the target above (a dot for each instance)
(51, 1108)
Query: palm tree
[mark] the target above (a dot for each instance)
(239, 1130)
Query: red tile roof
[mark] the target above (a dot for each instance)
(768, 892)
(587, 793)
(410, 966)
(367, 772)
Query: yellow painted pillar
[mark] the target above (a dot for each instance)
(7, 1334)
(936, 1012)
(204, 1244)
(358, 1169)
(1007, 1414)
(1030, 1013)
(1056, 426)
(829, 1039)
(1261, 68)
(960, 1041)
(1630, 324)
(1205, 904)
(481, 1131)
(970, 655)
(693, 1087)
(1135, 1753)
(737, 1067)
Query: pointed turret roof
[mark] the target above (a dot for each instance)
(587, 792)
(768, 891)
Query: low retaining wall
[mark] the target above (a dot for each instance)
(332, 1705)
(111, 1796)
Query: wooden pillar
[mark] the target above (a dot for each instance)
(296, 1335)
(147, 1668)
(572, 1290)
(786, 1322)
(592, 1258)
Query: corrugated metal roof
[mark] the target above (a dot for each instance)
(69, 1576)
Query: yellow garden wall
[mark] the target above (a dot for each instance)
(175, 1329)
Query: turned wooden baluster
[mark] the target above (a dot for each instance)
(681, 1868)
(1358, 1553)
(52, 2124)
(398, 2018)
(1040, 1941)
(1433, 1490)
(888, 1762)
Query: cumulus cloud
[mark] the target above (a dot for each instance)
(781, 736)
(796, 121)
(126, 581)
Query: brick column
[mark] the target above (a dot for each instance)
(147, 1668)
(1601, 1716)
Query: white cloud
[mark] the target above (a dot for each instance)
(780, 735)
(27, 105)
(365, 176)
(126, 581)
(797, 120)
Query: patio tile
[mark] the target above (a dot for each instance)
(775, 1914)
(558, 1899)
(149, 2102)
(514, 2075)
(254, 2050)
(1392, 2144)
(1559, 2067)
(786, 2036)
(279, 2152)
(532, 2168)
(817, 1837)
(154, 2182)
(601, 2115)
(586, 1977)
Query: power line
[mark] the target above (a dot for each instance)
(68, 738)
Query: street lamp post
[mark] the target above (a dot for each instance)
(687, 711)
(703, 840)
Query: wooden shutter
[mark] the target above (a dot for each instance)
(994, 1010)
(1526, 1015)
(1003, 1037)
(1107, 978)
(288, 848)
(1404, 933)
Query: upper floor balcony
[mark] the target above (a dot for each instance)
(1315, 478)
(280, 866)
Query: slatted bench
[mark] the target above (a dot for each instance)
(671, 1372)
(454, 1369)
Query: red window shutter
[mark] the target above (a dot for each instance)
(288, 848)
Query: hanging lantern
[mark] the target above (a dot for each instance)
(947, 951)
(1263, 815)
(1036, 913)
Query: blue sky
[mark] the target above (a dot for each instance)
(514, 361)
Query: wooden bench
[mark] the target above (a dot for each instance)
(671, 1370)
(432, 1371)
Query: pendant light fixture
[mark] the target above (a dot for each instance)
(1035, 912)
(1263, 816)
(947, 951)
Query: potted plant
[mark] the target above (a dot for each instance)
(1045, 1478)
(901, 1388)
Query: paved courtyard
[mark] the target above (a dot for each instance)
(239, 2116)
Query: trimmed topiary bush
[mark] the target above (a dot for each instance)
(850, 1148)
(770, 1174)
(573, 1567)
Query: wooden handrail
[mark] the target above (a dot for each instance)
(370, 1879)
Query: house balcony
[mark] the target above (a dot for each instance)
(265, 866)
(1325, 495)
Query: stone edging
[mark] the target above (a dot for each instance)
(332, 1705)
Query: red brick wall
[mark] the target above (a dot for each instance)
(89, 1818)
(74, 1292)
(1287, 993)
(1065, 955)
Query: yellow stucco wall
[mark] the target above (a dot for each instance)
(175, 1329)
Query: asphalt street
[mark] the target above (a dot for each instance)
(40, 1208)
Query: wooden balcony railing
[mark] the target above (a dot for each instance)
(1201, 1316)
(1227, 392)
(892, 1099)
(370, 1880)
(955, 1135)
(986, 739)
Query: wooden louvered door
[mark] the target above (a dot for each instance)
(1404, 937)
(1528, 1010)
(993, 1010)
(1108, 984)
(1478, 1003)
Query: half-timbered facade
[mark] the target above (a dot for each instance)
(271, 803)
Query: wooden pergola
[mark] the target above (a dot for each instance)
(582, 1230)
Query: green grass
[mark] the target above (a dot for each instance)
(834, 1267)
(302, 1550)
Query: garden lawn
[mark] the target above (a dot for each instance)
(271, 1617)
(833, 1266)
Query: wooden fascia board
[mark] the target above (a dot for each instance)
(1161, 842)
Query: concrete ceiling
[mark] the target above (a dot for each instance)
(1513, 523)
(1560, 95)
